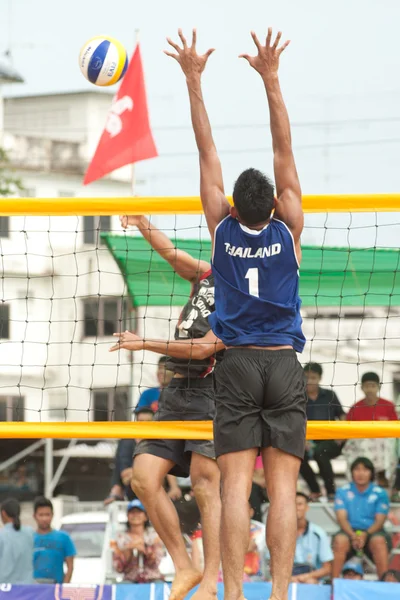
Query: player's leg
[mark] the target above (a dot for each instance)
(205, 477)
(149, 472)
(283, 443)
(237, 438)
(236, 477)
(281, 473)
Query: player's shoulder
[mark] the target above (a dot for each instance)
(227, 223)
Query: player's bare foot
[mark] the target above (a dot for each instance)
(184, 581)
(205, 592)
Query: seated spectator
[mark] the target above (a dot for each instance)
(361, 510)
(391, 576)
(381, 452)
(138, 552)
(52, 548)
(313, 557)
(149, 398)
(322, 405)
(16, 546)
(258, 494)
(353, 570)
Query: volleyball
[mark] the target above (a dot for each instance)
(103, 60)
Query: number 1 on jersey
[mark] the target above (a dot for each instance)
(252, 276)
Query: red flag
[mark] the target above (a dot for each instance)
(127, 136)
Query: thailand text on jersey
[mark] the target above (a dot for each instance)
(256, 276)
(193, 324)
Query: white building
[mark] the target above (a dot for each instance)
(58, 278)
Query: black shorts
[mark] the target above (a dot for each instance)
(260, 401)
(183, 400)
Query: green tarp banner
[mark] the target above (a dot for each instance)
(336, 277)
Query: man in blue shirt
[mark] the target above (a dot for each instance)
(149, 398)
(361, 509)
(51, 547)
(313, 557)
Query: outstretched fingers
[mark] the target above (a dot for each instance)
(183, 39)
(278, 37)
(256, 40)
(194, 39)
(175, 46)
(282, 48)
(269, 36)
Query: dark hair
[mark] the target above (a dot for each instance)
(362, 460)
(253, 196)
(42, 502)
(302, 495)
(13, 510)
(396, 574)
(313, 367)
(162, 360)
(370, 377)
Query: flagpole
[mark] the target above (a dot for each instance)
(133, 180)
(133, 185)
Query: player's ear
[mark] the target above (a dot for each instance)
(233, 212)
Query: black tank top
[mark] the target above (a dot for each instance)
(193, 324)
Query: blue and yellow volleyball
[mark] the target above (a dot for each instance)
(103, 60)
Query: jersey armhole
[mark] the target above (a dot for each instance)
(292, 238)
(215, 236)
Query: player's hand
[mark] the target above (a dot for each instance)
(267, 60)
(127, 341)
(130, 220)
(192, 63)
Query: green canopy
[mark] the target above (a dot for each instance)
(328, 276)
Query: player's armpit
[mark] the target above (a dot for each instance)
(288, 209)
(215, 204)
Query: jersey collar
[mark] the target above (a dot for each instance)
(252, 231)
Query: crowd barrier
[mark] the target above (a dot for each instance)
(342, 590)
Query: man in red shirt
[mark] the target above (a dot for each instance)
(372, 407)
(382, 452)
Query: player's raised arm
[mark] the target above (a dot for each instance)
(215, 205)
(183, 263)
(288, 205)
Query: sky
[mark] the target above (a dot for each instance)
(340, 77)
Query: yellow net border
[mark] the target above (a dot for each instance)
(182, 205)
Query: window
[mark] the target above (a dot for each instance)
(93, 226)
(111, 404)
(66, 194)
(4, 227)
(107, 315)
(5, 321)
(12, 408)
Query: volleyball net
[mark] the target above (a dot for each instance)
(71, 278)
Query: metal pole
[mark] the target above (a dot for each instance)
(31, 448)
(48, 468)
(60, 469)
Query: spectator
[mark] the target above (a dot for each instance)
(353, 570)
(139, 551)
(391, 576)
(313, 556)
(258, 495)
(149, 398)
(16, 546)
(381, 452)
(52, 548)
(322, 405)
(361, 510)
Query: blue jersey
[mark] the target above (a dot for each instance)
(256, 276)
